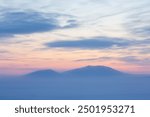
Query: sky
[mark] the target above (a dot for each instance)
(67, 34)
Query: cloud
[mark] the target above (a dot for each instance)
(93, 43)
(94, 59)
(137, 60)
(3, 51)
(137, 22)
(26, 22)
(130, 59)
(145, 51)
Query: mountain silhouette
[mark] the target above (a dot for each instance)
(84, 72)
(94, 71)
(85, 83)
(43, 74)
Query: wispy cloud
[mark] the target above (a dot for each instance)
(135, 60)
(126, 59)
(137, 21)
(94, 59)
(3, 51)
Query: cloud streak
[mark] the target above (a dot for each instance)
(126, 59)
(93, 43)
(97, 43)
(137, 22)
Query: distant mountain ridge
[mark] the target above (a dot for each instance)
(43, 74)
(83, 72)
(94, 71)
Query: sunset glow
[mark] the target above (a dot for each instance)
(68, 34)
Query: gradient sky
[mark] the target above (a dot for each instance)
(66, 34)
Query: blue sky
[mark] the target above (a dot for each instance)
(42, 34)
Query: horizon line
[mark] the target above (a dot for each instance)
(73, 69)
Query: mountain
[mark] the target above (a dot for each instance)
(83, 72)
(94, 71)
(86, 83)
(43, 74)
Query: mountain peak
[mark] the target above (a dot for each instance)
(43, 74)
(94, 71)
